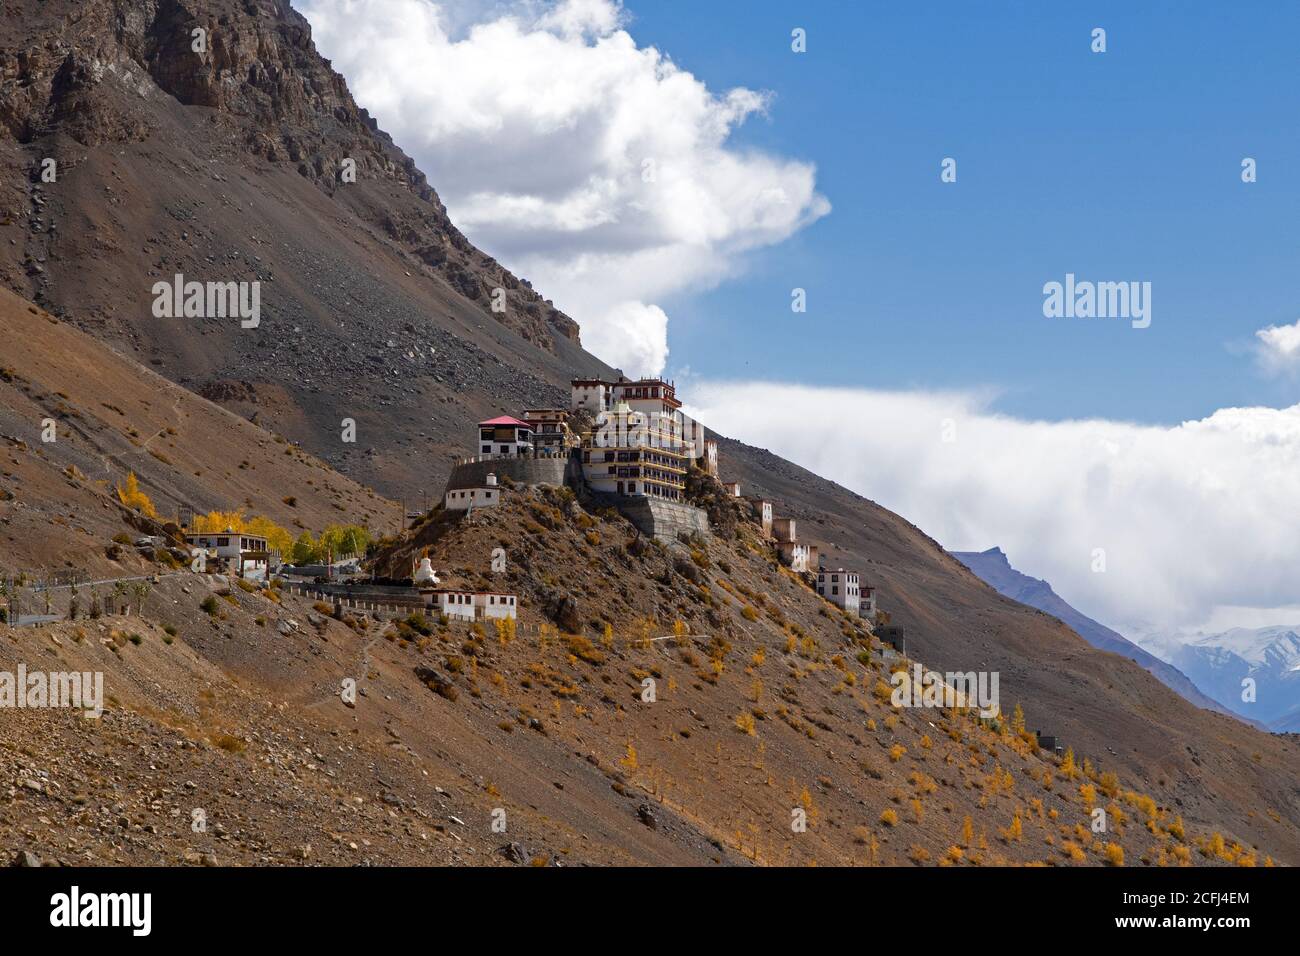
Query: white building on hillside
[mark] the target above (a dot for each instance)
(504, 437)
(654, 398)
(840, 587)
(867, 606)
(591, 394)
(231, 552)
(763, 512)
(463, 499)
(798, 557)
(475, 605)
(628, 453)
(711, 457)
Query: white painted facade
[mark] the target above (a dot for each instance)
(630, 454)
(654, 398)
(504, 437)
(463, 499)
(591, 394)
(867, 604)
(475, 605)
(842, 588)
(798, 557)
(246, 555)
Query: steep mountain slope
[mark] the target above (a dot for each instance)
(1270, 656)
(224, 167)
(767, 738)
(111, 417)
(227, 166)
(993, 568)
(1099, 703)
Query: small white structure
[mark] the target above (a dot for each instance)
(462, 499)
(840, 587)
(732, 488)
(424, 575)
(763, 512)
(591, 394)
(799, 557)
(235, 552)
(475, 605)
(783, 530)
(711, 457)
(867, 604)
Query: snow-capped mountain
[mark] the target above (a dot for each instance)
(994, 569)
(1218, 663)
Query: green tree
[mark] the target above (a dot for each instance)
(304, 549)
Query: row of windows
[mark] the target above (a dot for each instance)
(653, 474)
(503, 599)
(245, 544)
(461, 495)
(642, 392)
(650, 488)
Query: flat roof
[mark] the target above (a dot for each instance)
(225, 534)
(474, 593)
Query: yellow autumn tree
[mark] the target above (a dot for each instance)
(1068, 769)
(277, 538)
(135, 499)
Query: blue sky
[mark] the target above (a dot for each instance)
(1115, 166)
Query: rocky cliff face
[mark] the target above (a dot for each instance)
(93, 74)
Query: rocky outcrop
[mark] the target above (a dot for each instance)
(88, 74)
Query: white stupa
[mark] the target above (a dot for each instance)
(425, 576)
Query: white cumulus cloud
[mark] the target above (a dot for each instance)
(1196, 521)
(595, 167)
(1278, 348)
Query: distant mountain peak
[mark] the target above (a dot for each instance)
(994, 568)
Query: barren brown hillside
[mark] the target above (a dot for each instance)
(769, 711)
(58, 506)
